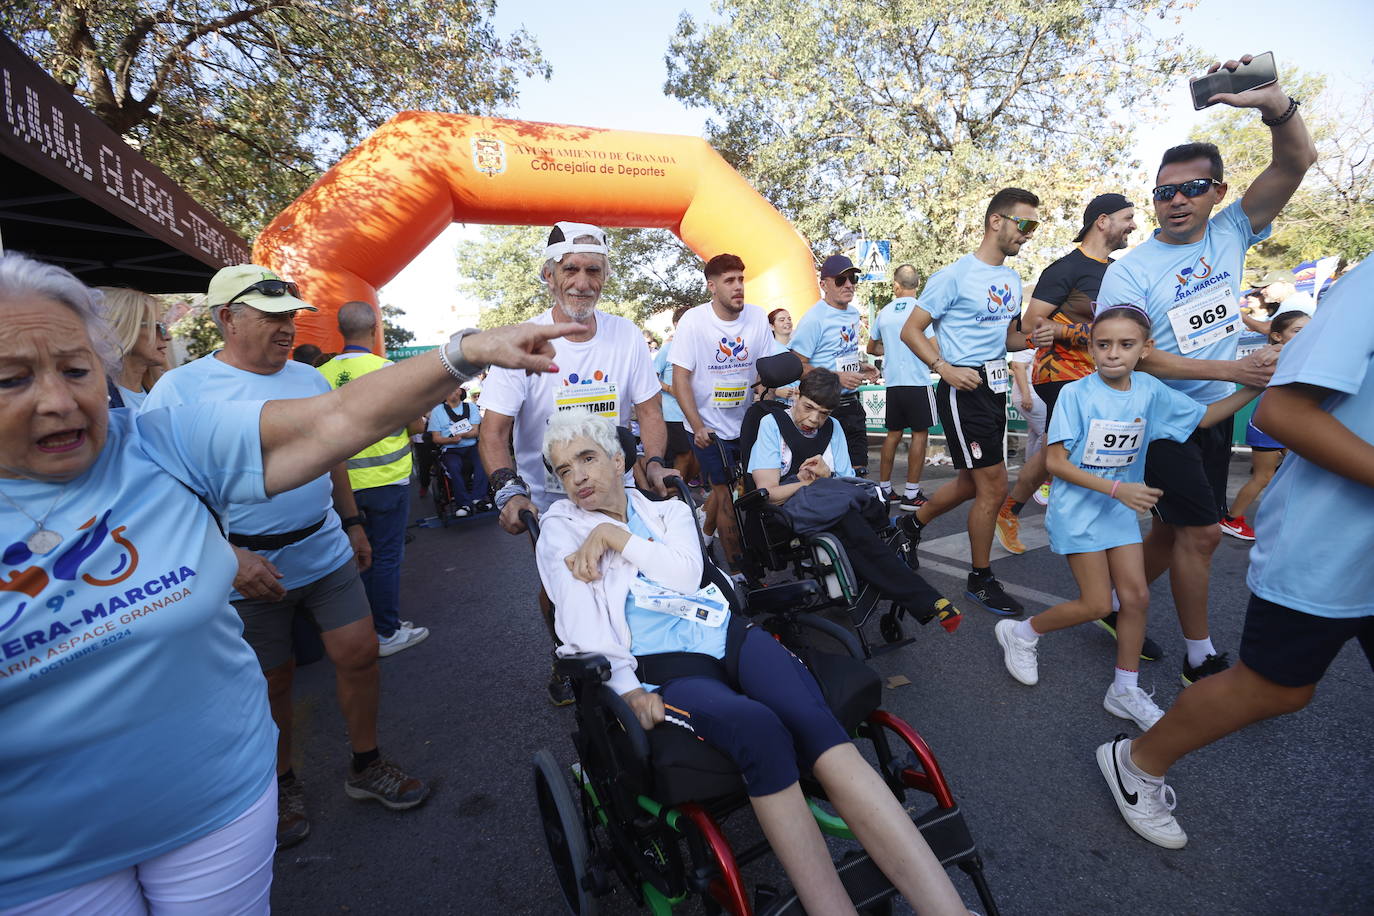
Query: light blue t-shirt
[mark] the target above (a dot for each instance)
(134, 715)
(1314, 528)
(207, 380)
(901, 365)
(440, 423)
(973, 303)
(663, 367)
(828, 338)
(1121, 424)
(771, 451)
(652, 632)
(1186, 289)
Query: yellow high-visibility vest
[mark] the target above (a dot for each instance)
(384, 462)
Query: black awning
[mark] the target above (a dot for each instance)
(73, 193)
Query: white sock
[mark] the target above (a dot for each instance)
(886, 485)
(913, 489)
(1199, 649)
(1025, 631)
(1123, 757)
(1124, 680)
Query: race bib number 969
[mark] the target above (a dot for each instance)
(1205, 319)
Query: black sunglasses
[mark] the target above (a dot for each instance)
(1194, 188)
(273, 288)
(845, 279)
(1023, 225)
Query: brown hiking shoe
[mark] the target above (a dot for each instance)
(388, 784)
(292, 824)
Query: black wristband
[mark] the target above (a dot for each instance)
(656, 459)
(351, 521)
(499, 478)
(1285, 117)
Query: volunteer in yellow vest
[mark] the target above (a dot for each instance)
(380, 475)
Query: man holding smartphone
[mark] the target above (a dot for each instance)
(1188, 278)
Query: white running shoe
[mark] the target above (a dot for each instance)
(1018, 653)
(403, 638)
(1145, 804)
(1042, 494)
(1134, 704)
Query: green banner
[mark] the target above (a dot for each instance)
(399, 353)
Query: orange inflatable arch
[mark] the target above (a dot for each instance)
(373, 212)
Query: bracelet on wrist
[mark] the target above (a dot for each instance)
(656, 459)
(1285, 117)
(1115, 484)
(455, 363)
(351, 521)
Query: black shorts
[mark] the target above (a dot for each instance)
(910, 407)
(975, 423)
(1192, 475)
(850, 415)
(679, 443)
(1049, 393)
(1294, 648)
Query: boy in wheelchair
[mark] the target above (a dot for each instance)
(623, 573)
(793, 450)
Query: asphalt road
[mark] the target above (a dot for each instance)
(1280, 817)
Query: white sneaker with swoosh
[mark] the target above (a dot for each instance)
(1145, 804)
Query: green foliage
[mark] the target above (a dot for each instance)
(393, 334)
(1333, 212)
(901, 118)
(651, 271)
(197, 330)
(244, 104)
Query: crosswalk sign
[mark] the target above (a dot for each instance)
(874, 260)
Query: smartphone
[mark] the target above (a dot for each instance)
(1259, 72)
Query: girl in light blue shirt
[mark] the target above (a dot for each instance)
(1102, 426)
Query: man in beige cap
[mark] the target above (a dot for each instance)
(300, 552)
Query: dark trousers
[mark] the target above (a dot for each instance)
(850, 416)
(876, 563)
(386, 512)
(466, 473)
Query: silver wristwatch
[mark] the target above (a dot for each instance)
(451, 355)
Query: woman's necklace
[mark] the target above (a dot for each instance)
(44, 540)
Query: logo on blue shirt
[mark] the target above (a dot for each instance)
(1000, 297)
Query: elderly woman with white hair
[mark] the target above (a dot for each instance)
(607, 555)
(136, 771)
(142, 338)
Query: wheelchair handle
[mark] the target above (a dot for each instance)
(531, 524)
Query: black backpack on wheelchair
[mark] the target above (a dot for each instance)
(645, 809)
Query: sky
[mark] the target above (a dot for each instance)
(608, 71)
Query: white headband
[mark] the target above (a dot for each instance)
(561, 241)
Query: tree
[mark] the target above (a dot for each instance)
(651, 271)
(393, 335)
(244, 103)
(1333, 212)
(198, 331)
(901, 118)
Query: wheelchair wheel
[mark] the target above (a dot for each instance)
(564, 832)
(890, 627)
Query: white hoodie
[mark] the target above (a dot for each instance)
(590, 616)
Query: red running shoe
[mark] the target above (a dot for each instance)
(1238, 527)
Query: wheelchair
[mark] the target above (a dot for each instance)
(643, 810)
(445, 496)
(772, 547)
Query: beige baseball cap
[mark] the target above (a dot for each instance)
(255, 286)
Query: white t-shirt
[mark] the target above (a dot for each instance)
(721, 356)
(608, 375)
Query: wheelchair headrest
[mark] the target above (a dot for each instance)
(779, 370)
(627, 445)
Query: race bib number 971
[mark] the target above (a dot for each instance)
(1113, 443)
(1205, 319)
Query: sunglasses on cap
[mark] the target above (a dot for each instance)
(1023, 225)
(273, 288)
(1194, 188)
(845, 279)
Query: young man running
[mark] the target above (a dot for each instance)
(1188, 278)
(713, 358)
(975, 299)
(1311, 582)
(910, 400)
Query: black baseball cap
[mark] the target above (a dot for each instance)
(1102, 203)
(837, 264)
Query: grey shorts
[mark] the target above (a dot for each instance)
(332, 602)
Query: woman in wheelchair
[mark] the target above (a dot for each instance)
(784, 460)
(623, 572)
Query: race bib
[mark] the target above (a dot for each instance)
(848, 362)
(460, 427)
(706, 606)
(728, 393)
(999, 379)
(1205, 318)
(598, 397)
(1113, 443)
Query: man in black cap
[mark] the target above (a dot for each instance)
(827, 337)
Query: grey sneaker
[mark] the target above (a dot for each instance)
(388, 784)
(292, 823)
